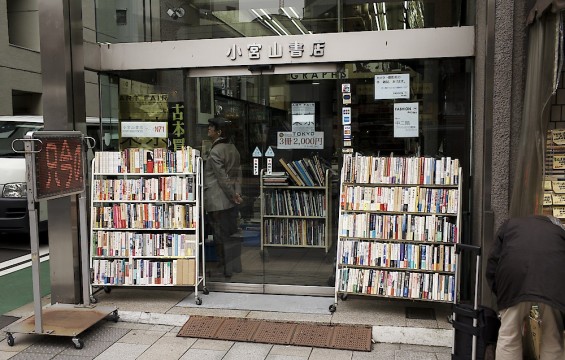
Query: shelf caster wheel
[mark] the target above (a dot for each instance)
(198, 301)
(78, 343)
(205, 290)
(93, 299)
(343, 297)
(331, 281)
(107, 289)
(332, 308)
(10, 339)
(115, 316)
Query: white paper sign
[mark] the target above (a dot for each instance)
(406, 120)
(300, 140)
(392, 86)
(303, 108)
(303, 123)
(151, 129)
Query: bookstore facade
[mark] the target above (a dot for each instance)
(303, 83)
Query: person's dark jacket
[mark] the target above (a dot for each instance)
(527, 263)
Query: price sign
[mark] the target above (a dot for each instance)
(58, 164)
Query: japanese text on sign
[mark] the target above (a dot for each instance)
(558, 136)
(294, 49)
(152, 129)
(392, 86)
(406, 120)
(300, 139)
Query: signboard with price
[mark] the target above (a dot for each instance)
(300, 140)
(58, 162)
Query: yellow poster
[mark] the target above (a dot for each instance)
(559, 212)
(547, 199)
(547, 185)
(558, 187)
(558, 136)
(559, 162)
(557, 199)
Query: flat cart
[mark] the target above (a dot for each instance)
(41, 150)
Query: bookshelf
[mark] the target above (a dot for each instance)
(295, 215)
(146, 220)
(399, 221)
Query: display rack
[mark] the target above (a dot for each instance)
(399, 221)
(295, 216)
(147, 219)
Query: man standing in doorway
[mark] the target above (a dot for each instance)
(527, 267)
(222, 192)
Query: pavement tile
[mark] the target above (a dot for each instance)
(325, 354)
(413, 355)
(288, 350)
(122, 351)
(209, 344)
(207, 354)
(248, 351)
(167, 347)
(285, 357)
(145, 337)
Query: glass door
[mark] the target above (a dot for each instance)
(284, 234)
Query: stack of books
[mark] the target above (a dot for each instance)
(305, 172)
(277, 178)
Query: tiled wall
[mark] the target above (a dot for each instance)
(557, 116)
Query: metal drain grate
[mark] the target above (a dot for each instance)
(312, 335)
(347, 337)
(237, 329)
(202, 327)
(420, 313)
(274, 333)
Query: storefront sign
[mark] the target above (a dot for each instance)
(406, 120)
(317, 76)
(295, 49)
(392, 86)
(300, 140)
(176, 132)
(145, 129)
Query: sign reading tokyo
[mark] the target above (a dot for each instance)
(58, 164)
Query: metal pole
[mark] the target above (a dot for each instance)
(33, 236)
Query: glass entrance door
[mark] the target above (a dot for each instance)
(284, 234)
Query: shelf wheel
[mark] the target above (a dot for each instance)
(107, 289)
(205, 290)
(332, 308)
(198, 301)
(93, 299)
(343, 297)
(115, 316)
(79, 344)
(10, 339)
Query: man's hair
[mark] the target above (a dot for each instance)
(556, 221)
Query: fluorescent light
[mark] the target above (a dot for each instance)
(286, 13)
(277, 24)
(299, 28)
(267, 15)
(294, 12)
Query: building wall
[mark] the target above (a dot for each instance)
(20, 68)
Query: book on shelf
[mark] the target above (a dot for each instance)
(293, 175)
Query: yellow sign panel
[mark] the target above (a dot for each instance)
(559, 212)
(558, 199)
(558, 187)
(558, 136)
(547, 199)
(559, 162)
(547, 185)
